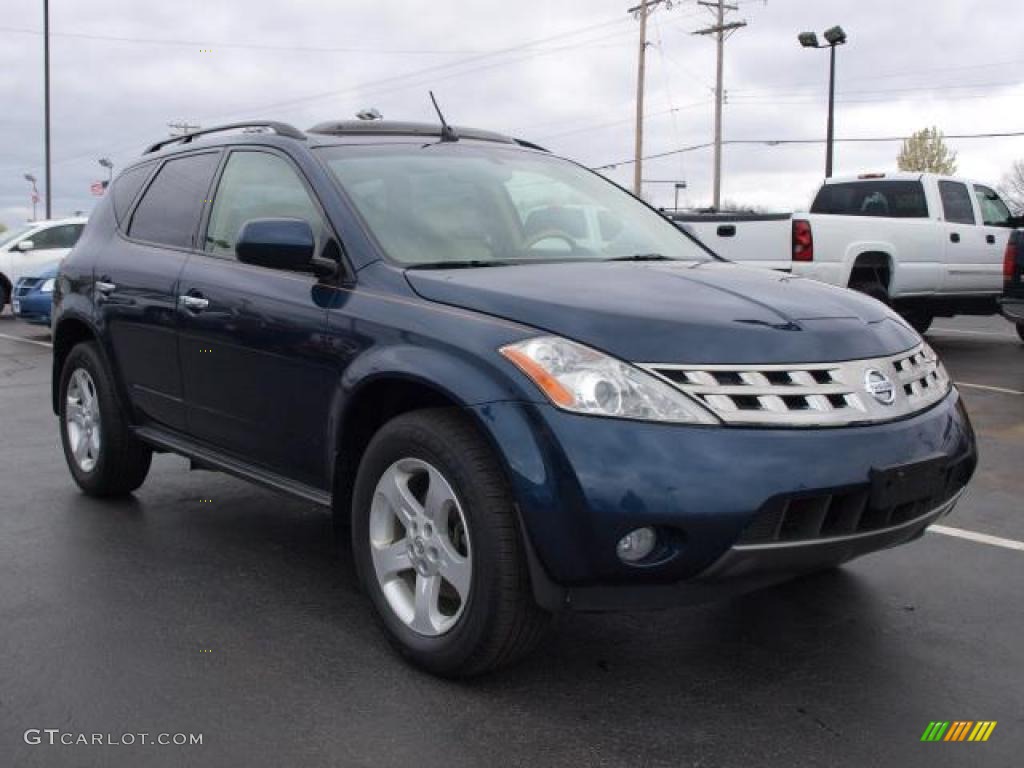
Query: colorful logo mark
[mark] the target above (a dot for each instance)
(958, 730)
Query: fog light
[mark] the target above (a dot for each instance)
(636, 545)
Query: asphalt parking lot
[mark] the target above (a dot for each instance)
(206, 605)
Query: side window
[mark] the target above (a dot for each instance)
(994, 212)
(169, 210)
(956, 202)
(64, 236)
(257, 185)
(126, 188)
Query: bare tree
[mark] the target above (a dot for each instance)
(1012, 187)
(926, 151)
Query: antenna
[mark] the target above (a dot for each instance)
(447, 132)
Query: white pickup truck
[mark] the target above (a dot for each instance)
(929, 245)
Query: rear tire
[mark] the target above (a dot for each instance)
(920, 320)
(873, 289)
(430, 491)
(105, 458)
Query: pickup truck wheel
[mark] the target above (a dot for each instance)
(104, 457)
(437, 546)
(920, 321)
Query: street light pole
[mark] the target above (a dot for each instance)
(46, 99)
(833, 36)
(830, 133)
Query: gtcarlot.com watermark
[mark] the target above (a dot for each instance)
(57, 737)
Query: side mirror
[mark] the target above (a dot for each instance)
(277, 243)
(25, 245)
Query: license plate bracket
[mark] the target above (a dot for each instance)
(904, 483)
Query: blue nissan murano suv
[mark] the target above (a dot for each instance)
(520, 389)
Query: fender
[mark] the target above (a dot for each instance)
(456, 377)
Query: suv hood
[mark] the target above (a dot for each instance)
(678, 312)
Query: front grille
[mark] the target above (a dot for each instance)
(842, 512)
(818, 394)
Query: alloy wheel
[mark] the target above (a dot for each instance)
(82, 420)
(420, 546)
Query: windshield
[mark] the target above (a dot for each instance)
(14, 234)
(470, 205)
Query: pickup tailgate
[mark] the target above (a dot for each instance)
(755, 239)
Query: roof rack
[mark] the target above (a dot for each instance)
(404, 128)
(282, 129)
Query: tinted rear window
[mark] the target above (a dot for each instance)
(892, 199)
(126, 188)
(169, 210)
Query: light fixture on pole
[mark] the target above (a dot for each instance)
(35, 193)
(833, 36)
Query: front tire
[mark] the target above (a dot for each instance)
(437, 546)
(104, 457)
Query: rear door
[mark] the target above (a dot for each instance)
(137, 278)
(996, 227)
(257, 375)
(966, 262)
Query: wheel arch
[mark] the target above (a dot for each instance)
(869, 262)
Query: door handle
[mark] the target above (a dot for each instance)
(194, 303)
(104, 287)
(990, 239)
(726, 230)
(954, 237)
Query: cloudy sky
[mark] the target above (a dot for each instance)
(559, 73)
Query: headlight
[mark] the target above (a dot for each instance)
(577, 378)
(47, 286)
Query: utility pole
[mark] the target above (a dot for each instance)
(641, 12)
(184, 128)
(46, 100)
(721, 32)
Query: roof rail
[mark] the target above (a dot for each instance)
(282, 129)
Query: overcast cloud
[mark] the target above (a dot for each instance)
(908, 65)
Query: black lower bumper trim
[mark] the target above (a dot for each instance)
(744, 568)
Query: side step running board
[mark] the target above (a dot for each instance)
(207, 457)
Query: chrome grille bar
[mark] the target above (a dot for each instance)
(814, 394)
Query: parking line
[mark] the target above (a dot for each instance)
(973, 333)
(981, 538)
(990, 388)
(27, 341)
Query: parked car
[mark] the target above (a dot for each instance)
(28, 249)
(506, 423)
(929, 245)
(1012, 302)
(32, 299)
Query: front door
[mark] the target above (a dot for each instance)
(996, 225)
(257, 376)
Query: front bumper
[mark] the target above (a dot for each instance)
(581, 483)
(33, 307)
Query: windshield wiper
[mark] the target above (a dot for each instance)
(643, 257)
(463, 264)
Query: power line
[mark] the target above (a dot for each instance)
(779, 142)
(253, 46)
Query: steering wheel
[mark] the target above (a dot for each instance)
(547, 234)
